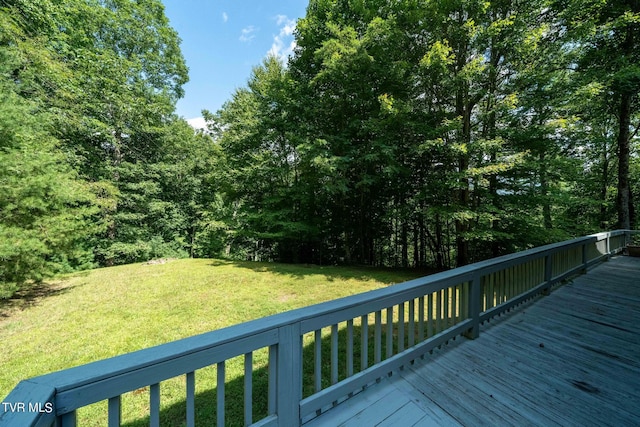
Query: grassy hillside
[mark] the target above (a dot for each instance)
(110, 311)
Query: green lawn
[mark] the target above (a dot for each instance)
(110, 311)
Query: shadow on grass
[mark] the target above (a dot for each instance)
(29, 296)
(331, 273)
(205, 402)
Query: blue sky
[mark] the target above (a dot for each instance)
(222, 40)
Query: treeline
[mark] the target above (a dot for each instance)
(400, 133)
(437, 133)
(96, 169)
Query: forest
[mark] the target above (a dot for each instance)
(400, 133)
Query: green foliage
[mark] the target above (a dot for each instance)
(404, 133)
(88, 137)
(44, 208)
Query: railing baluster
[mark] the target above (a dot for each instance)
(154, 405)
(512, 279)
(454, 305)
(68, 419)
(389, 332)
(220, 393)
(421, 318)
(474, 306)
(400, 327)
(464, 300)
(548, 273)
(273, 383)
(115, 411)
(191, 395)
(317, 359)
(349, 347)
(430, 315)
(334, 354)
(438, 312)
(505, 285)
(248, 388)
(490, 296)
(446, 308)
(364, 349)
(377, 339)
(412, 322)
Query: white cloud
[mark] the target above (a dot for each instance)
(283, 44)
(247, 34)
(197, 123)
(225, 17)
(281, 19)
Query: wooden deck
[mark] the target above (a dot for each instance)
(568, 359)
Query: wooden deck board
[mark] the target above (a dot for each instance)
(570, 359)
(568, 370)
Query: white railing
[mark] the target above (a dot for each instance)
(319, 355)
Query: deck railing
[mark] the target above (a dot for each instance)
(377, 332)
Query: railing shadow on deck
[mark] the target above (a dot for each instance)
(388, 327)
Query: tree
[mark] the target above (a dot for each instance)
(609, 32)
(263, 162)
(45, 210)
(107, 74)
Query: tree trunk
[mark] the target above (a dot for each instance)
(462, 225)
(623, 199)
(405, 244)
(603, 187)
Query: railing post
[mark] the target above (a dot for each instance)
(289, 382)
(475, 295)
(548, 268)
(584, 258)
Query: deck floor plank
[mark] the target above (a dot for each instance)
(569, 359)
(350, 408)
(567, 372)
(407, 415)
(434, 414)
(383, 409)
(519, 373)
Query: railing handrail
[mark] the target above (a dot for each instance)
(117, 370)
